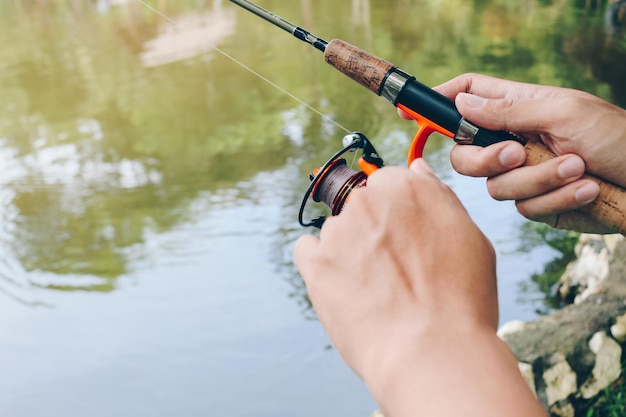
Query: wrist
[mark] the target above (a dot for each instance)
(421, 351)
(470, 373)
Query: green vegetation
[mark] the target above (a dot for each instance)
(611, 402)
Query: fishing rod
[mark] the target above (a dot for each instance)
(432, 111)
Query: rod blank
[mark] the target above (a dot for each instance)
(276, 20)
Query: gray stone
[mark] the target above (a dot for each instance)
(529, 375)
(607, 366)
(559, 380)
(584, 276)
(618, 330)
(571, 352)
(511, 327)
(563, 409)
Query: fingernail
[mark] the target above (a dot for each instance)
(587, 193)
(571, 168)
(471, 100)
(512, 156)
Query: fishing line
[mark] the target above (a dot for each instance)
(247, 68)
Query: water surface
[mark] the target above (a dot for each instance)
(150, 188)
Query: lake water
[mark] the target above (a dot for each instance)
(150, 188)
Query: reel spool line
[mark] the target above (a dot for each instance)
(333, 182)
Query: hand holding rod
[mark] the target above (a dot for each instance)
(436, 113)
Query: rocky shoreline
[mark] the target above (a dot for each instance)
(571, 355)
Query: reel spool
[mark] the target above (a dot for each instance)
(333, 182)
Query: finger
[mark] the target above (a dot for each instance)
(476, 161)
(404, 114)
(515, 115)
(531, 181)
(432, 187)
(338, 231)
(303, 253)
(564, 199)
(420, 166)
(392, 183)
(384, 178)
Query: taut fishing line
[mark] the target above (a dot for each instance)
(247, 68)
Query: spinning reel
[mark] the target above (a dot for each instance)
(333, 182)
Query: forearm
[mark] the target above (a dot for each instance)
(457, 375)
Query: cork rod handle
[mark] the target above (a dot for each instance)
(609, 208)
(363, 67)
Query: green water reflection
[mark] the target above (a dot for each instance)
(115, 119)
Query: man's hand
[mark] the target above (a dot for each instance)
(404, 283)
(583, 130)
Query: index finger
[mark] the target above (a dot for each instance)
(476, 161)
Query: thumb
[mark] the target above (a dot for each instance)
(504, 114)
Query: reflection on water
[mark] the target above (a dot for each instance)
(150, 186)
(103, 151)
(189, 36)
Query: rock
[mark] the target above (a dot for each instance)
(568, 329)
(607, 366)
(584, 276)
(563, 409)
(529, 375)
(574, 353)
(618, 330)
(511, 327)
(559, 380)
(613, 241)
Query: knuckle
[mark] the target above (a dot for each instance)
(330, 228)
(506, 103)
(388, 178)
